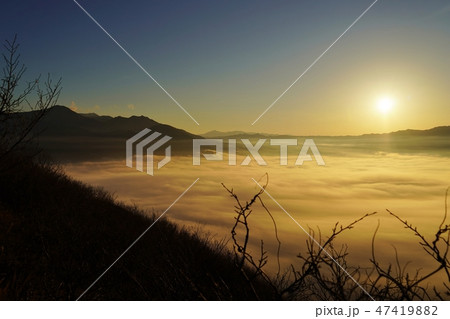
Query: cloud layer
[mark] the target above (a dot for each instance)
(316, 196)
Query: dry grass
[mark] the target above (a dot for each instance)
(57, 235)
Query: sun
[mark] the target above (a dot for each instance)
(385, 104)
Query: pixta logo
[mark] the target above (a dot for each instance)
(253, 150)
(147, 143)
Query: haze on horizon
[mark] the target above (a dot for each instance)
(226, 62)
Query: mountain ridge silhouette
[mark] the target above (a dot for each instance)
(61, 121)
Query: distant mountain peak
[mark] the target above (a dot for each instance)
(219, 134)
(62, 121)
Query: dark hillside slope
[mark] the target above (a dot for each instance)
(58, 235)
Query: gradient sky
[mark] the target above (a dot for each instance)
(227, 61)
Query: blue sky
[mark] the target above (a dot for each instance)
(226, 61)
